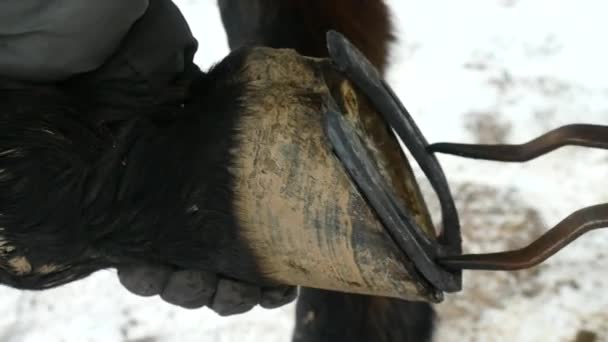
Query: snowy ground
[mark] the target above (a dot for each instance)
(470, 71)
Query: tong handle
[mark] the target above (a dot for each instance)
(558, 237)
(568, 230)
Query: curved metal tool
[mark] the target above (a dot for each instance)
(352, 62)
(398, 222)
(403, 228)
(441, 261)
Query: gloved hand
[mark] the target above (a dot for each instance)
(192, 289)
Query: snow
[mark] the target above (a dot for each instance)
(469, 71)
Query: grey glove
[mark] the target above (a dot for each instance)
(49, 41)
(194, 289)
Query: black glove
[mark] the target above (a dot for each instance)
(194, 289)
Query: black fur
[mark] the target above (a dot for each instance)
(152, 184)
(301, 25)
(326, 316)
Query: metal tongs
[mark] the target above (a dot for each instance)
(441, 261)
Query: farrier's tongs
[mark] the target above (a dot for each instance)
(440, 261)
